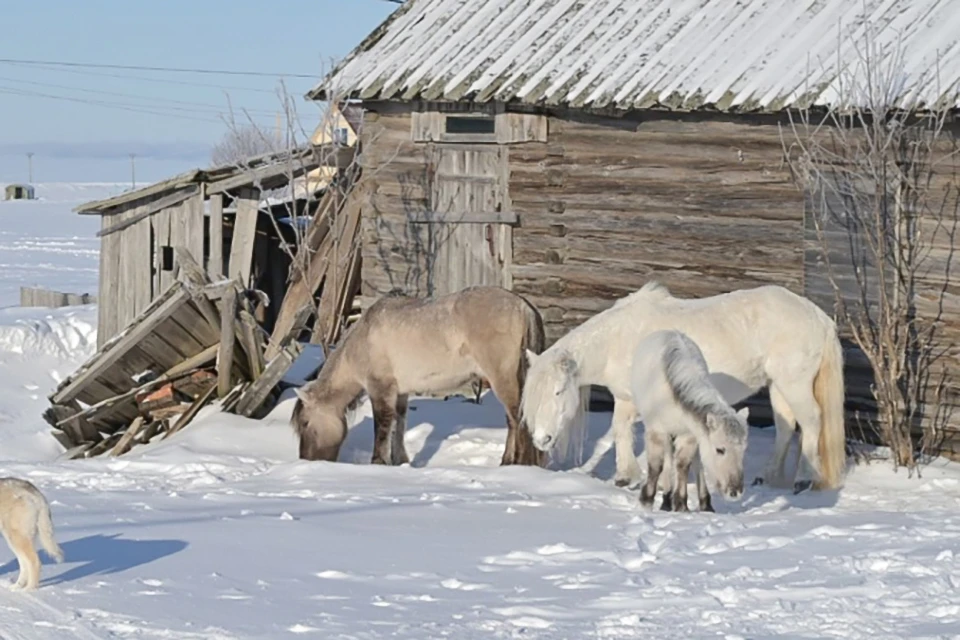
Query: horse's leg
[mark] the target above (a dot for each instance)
(628, 469)
(783, 417)
(398, 451)
(384, 401)
(685, 448)
(519, 447)
(807, 411)
(654, 444)
(703, 491)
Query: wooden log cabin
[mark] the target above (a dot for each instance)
(574, 151)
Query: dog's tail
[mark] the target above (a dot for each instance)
(45, 533)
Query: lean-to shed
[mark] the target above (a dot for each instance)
(572, 151)
(216, 214)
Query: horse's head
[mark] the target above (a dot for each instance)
(728, 444)
(551, 399)
(320, 425)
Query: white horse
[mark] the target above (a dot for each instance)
(751, 338)
(684, 416)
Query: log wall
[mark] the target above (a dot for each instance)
(605, 206)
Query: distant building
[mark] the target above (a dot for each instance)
(19, 192)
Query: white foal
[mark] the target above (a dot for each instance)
(684, 416)
(752, 338)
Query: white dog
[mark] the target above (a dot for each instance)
(25, 513)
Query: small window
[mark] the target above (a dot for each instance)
(471, 125)
(340, 136)
(166, 258)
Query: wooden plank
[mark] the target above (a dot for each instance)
(126, 440)
(215, 265)
(187, 416)
(109, 292)
(131, 336)
(517, 128)
(151, 209)
(193, 211)
(267, 177)
(248, 338)
(244, 235)
(254, 396)
(339, 273)
(227, 339)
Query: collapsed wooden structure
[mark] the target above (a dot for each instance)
(208, 338)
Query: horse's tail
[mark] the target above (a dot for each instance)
(534, 337)
(828, 390)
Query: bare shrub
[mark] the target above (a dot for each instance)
(880, 181)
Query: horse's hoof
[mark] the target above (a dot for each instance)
(758, 481)
(707, 508)
(802, 485)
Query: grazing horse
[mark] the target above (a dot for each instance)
(684, 416)
(750, 339)
(403, 346)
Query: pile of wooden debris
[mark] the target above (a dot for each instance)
(195, 343)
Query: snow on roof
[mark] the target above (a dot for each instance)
(731, 55)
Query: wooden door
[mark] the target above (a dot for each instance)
(470, 237)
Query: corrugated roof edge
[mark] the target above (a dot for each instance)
(319, 92)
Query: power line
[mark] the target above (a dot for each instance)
(127, 76)
(90, 65)
(198, 106)
(124, 107)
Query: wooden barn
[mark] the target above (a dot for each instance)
(573, 151)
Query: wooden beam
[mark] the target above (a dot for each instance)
(165, 202)
(187, 416)
(244, 235)
(215, 265)
(227, 338)
(464, 217)
(265, 177)
(126, 440)
(254, 396)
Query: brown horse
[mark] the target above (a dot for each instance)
(403, 346)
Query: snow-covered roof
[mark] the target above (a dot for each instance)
(731, 55)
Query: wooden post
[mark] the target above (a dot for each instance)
(227, 338)
(215, 264)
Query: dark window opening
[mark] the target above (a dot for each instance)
(166, 258)
(206, 240)
(459, 124)
(17, 192)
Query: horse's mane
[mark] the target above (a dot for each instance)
(687, 375)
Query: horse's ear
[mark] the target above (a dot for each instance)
(531, 357)
(744, 413)
(711, 422)
(304, 398)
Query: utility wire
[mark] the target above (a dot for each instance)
(224, 72)
(199, 106)
(100, 103)
(126, 76)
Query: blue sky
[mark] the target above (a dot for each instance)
(74, 139)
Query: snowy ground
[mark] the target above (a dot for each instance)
(222, 533)
(44, 244)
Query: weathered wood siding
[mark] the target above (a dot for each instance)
(395, 252)
(840, 262)
(607, 205)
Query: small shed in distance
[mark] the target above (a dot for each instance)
(19, 192)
